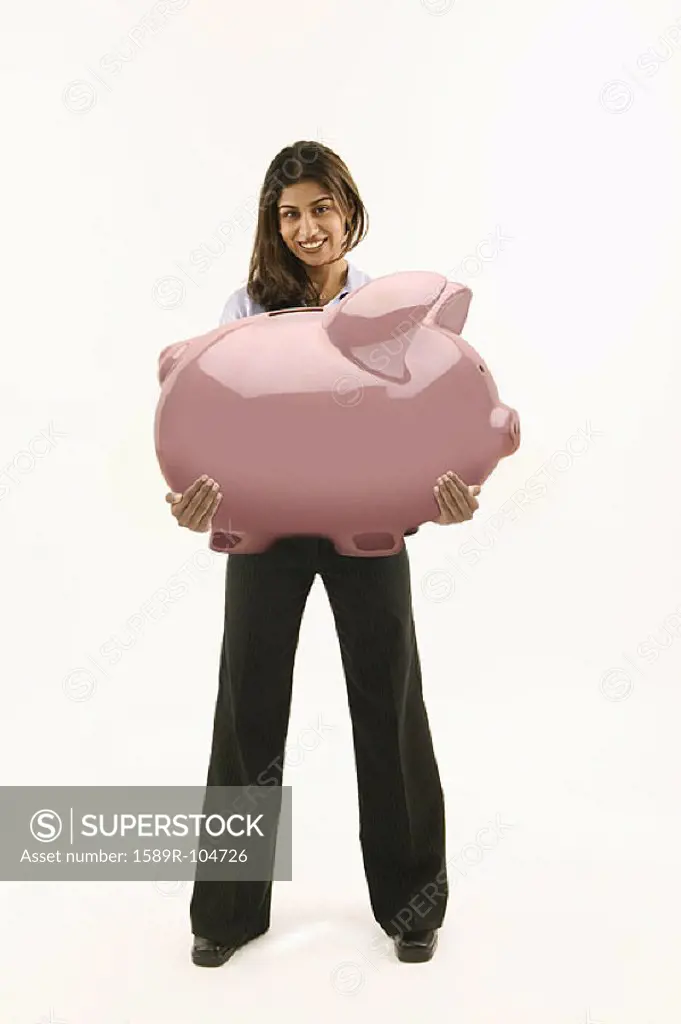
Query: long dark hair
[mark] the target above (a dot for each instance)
(276, 278)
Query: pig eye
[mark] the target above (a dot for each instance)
(481, 368)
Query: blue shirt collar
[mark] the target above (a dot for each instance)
(355, 279)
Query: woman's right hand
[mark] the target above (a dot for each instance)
(197, 506)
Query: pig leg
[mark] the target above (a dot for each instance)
(239, 543)
(224, 538)
(378, 543)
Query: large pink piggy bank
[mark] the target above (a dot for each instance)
(333, 421)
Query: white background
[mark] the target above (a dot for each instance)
(549, 630)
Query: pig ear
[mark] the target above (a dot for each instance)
(453, 312)
(374, 325)
(169, 358)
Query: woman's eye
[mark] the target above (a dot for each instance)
(291, 213)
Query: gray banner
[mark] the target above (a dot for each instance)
(145, 833)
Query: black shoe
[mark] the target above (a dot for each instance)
(416, 947)
(206, 953)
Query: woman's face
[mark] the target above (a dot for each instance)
(309, 214)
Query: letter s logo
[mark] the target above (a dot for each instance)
(46, 826)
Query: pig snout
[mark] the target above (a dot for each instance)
(507, 421)
(514, 429)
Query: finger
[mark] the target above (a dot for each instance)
(471, 493)
(192, 491)
(470, 500)
(203, 521)
(445, 511)
(203, 511)
(202, 499)
(172, 497)
(438, 501)
(455, 500)
(463, 492)
(204, 518)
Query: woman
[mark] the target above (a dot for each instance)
(310, 216)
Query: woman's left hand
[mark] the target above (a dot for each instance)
(455, 498)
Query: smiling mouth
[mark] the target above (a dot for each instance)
(312, 248)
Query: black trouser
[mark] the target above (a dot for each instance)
(401, 808)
